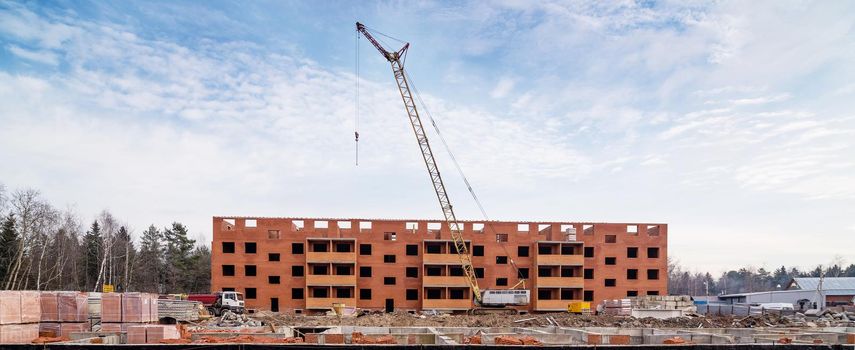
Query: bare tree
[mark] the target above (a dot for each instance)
(27, 207)
(109, 227)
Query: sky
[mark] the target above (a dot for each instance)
(731, 121)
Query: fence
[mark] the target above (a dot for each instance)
(740, 310)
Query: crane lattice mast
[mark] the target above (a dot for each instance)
(395, 58)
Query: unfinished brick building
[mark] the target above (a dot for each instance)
(304, 264)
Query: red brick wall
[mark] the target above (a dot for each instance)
(239, 234)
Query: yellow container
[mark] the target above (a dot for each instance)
(577, 307)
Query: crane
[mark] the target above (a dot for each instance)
(486, 298)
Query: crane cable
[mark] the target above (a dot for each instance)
(460, 171)
(356, 107)
(488, 222)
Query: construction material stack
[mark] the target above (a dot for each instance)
(617, 307)
(63, 313)
(119, 311)
(664, 302)
(20, 313)
(152, 334)
(180, 310)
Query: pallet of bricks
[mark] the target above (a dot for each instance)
(63, 313)
(135, 314)
(20, 313)
(617, 307)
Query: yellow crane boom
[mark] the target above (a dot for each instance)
(395, 58)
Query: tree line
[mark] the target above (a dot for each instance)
(43, 247)
(746, 279)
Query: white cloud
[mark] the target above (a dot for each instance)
(729, 104)
(41, 56)
(503, 87)
(760, 100)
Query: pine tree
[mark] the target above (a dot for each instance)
(200, 274)
(148, 265)
(8, 245)
(92, 242)
(123, 254)
(178, 258)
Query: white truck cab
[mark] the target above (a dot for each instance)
(232, 301)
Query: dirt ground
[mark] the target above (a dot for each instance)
(403, 319)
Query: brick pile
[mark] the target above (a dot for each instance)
(152, 334)
(20, 313)
(511, 340)
(359, 338)
(119, 311)
(617, 307)
(63, 313)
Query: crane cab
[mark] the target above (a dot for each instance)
(505, 297)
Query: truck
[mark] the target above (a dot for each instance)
(219, 302)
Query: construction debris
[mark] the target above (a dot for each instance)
(674, 340)
(359, 338)
(510, 340)
(231, 319)
(247, 339)
(475, 339)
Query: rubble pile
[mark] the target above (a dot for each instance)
(825, 318)
(247, 339)
(231, 319)
(404, 319)
(475, 339)
(675, 341)
(510, 340)
(359, 338)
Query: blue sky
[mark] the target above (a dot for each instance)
(731, 121)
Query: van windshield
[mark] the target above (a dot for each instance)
(240, 296)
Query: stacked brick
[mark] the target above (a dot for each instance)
(151, 334)
(618, 307)
(63, 313)
(19, 316)
(120, 311)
